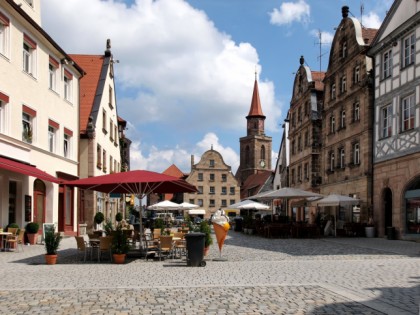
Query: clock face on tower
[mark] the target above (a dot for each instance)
(262, 163)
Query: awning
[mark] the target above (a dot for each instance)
(197, 212)
(26, 169)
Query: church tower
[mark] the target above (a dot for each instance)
(255, 147)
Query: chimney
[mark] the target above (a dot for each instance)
(192, 160)
(345, 11)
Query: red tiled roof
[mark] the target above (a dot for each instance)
(254, 182)
(369, 34)
(92, 64)
(255, 109)
(173, 170)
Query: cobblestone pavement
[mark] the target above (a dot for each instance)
(259, 276)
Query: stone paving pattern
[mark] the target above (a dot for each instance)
(260, 276)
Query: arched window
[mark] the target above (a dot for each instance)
(262, 152)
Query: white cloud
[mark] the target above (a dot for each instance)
(172, 81)
(371, 20)
(160, 159)
(290, 12)
(326, 37)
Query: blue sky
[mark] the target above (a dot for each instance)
(187, 67)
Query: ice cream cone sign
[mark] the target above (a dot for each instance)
(221, 227)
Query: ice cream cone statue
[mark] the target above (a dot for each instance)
(221, 227)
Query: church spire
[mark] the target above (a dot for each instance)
(255, 109)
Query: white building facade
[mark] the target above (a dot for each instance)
(39, 108)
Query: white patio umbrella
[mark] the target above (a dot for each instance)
(188, 206)
(335, 200)
(285, 193)
(249, 205)
(165, 205)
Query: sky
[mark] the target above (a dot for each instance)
(187, 68)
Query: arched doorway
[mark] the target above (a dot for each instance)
(39, 202)
(387, 201)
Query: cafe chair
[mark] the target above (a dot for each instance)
(83, 247)
(166, 246)
(13, 241)
(105, 246)
(149, 246)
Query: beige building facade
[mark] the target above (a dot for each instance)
(217, 186)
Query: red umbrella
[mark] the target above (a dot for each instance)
(138, 182)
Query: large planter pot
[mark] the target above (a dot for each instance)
(370, 231)
(32, 238)
(118, 258)
(206, 250)
(51, 259)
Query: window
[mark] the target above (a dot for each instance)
(104, 160)
(306, 171)
(4, 99)
(332, 161)
(2, 116)
(200, 202)
(224, 203)
(111, 130)
(299, 174)
(332, 88)
(110, 97)
(306, 139)
(200, 190)
(293, 147)
(332, 124)
(30, 2)
(52, 79)
(212, 177)
(232, 190)
(387, 64)
(356, 154)
(356, 74)
(343, 119)
(4, 34)
(68, 79)
(343, 84)
(51, 139)
(262, 153)
(386, 121)
(356, 111)
(293, 177)
(200, 177)
(342, 158)
(98, 156)
(344, 50)
(299, 114)
(111, 163)
(212, 190)
(224, 177)
(211, 203)
(104, 121)
(116, 170)
(299, 144)
(224, 191)
(408, 50)
(115, 135)
(66, 145)
(211, 163)
(29, 49)
(28, 116)
(408, 112)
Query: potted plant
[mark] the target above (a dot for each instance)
(208, 240)
(99, 218)
(52, 242)
(119, 217)
(31, 230)
(120, 245)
